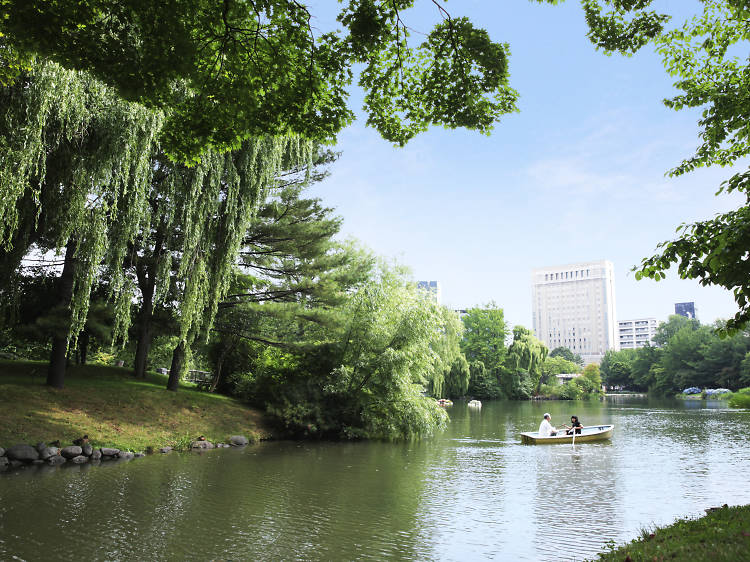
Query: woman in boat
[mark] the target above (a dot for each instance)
(574, 424)
(545, 428)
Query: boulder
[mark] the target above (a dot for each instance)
(23, 453)
(96, 455)
(57, 459)
(48, 452)
(4, 462)
(140, 455)
(71, 451)
(16, 464)
(201, 445)
(2, 452)
(238, 440)
(109, 452)
(80, 459)
(40, 446)
(127, 455)
(165, 450)
(87, 449)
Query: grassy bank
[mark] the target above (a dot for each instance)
(115, 410)
(723, 534)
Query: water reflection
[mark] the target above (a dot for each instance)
(472, 493)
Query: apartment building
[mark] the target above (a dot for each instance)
(636, 333)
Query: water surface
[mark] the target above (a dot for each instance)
(472, 493)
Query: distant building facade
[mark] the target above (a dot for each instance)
(574, 307)
(686, 309)
(432, 287)
(636, 333)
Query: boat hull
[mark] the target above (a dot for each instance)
(590, 433)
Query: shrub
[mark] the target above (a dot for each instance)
(740, 399)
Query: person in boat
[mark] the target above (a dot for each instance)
(546, 429)
(574, 424)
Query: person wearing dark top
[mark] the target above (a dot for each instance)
(574, 423)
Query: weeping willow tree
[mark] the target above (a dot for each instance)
(218, 199)
(448, 356)
(526, 357)
(74, 160)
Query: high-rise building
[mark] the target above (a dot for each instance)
(686, 309)
(636, 333)
(432, 287)
(574, 307)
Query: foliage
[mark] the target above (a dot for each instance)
(643, 368)
(700, 53)
(666, 330)
(75, 158)
(719, 535)
(568, 391)
(557, 366)
(615, 367)
(525, 359)
(484, 335)
(457, 379)
(566, 354)
(690, 355)
(590, 381)
(226, 71)
(363, 377)
(740, 399)
(483, 383)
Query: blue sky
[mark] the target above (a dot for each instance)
(577, 175)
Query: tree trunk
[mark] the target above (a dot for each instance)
(146, 274)
(83, 346)
(144, 330)
(178, 363)
(58, 357)
(142, 348)
(219, 363)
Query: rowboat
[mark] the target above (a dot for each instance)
(588, 433)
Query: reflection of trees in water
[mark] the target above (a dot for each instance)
(472, 492)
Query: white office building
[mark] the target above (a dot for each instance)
(636, 333)
(574, 307)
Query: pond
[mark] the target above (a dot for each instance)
(474, 492)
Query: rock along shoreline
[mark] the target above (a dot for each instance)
(25, 456)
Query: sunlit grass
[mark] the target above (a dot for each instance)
(114, 409)
(723, 534)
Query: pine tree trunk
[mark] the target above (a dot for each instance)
(178, 363)
(58, 357)
(144, 335)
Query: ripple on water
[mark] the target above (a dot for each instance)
(473, 493)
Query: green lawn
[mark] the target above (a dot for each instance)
(722, 535)
(115, 409)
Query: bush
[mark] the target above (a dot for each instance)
(571, 391)
(740, 399)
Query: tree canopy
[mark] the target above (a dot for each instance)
(701, 53)
(224, 71)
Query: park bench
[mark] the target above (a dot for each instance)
(202, 379)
